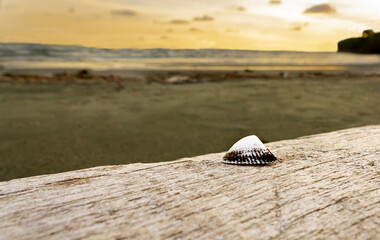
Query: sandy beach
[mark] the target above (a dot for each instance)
(58, 122)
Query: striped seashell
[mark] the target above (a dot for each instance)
(249, 151)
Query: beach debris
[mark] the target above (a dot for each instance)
(284, 74)
(84, 74)
(78, 77)
(249, 151)
(178, 79)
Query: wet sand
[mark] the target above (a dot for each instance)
(55, 126)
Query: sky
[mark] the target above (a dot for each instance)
(302, 25)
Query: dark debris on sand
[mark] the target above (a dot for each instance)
(86, 76)
(80, 77)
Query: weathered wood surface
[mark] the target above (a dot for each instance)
(325, 186)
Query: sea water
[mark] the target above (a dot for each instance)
(39, 56)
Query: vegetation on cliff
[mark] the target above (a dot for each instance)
(368, 43)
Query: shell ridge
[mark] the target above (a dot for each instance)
(248, 151)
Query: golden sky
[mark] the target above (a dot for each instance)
(303, 25)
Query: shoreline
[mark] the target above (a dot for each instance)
(167, 76)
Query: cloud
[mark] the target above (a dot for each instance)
(71, 10)
(124, 12)
(298, 26)
(240, 8)
(237, 8)
(275, 2)
(229, 30)
(203, 18)
(179, 21)
(323, 8)
(194, 30)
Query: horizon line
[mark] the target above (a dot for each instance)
(232, 49)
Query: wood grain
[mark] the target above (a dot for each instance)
(324, 186)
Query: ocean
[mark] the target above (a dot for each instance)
(15, 56)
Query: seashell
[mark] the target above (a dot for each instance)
(249, 151)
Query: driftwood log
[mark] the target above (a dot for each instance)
(324, 186)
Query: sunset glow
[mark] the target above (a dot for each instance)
(305, 25)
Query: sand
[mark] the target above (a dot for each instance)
(59, 126)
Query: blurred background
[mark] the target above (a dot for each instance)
(85, 83)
